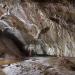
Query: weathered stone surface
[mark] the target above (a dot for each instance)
(30, 17)
(37, 66)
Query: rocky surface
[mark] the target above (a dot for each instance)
(47, 27)
(60, 37)
(37, 66)
(31, 17)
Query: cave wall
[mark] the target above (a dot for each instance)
(33, 16)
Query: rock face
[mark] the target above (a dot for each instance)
(31, 17)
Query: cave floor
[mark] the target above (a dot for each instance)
(38, 66)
